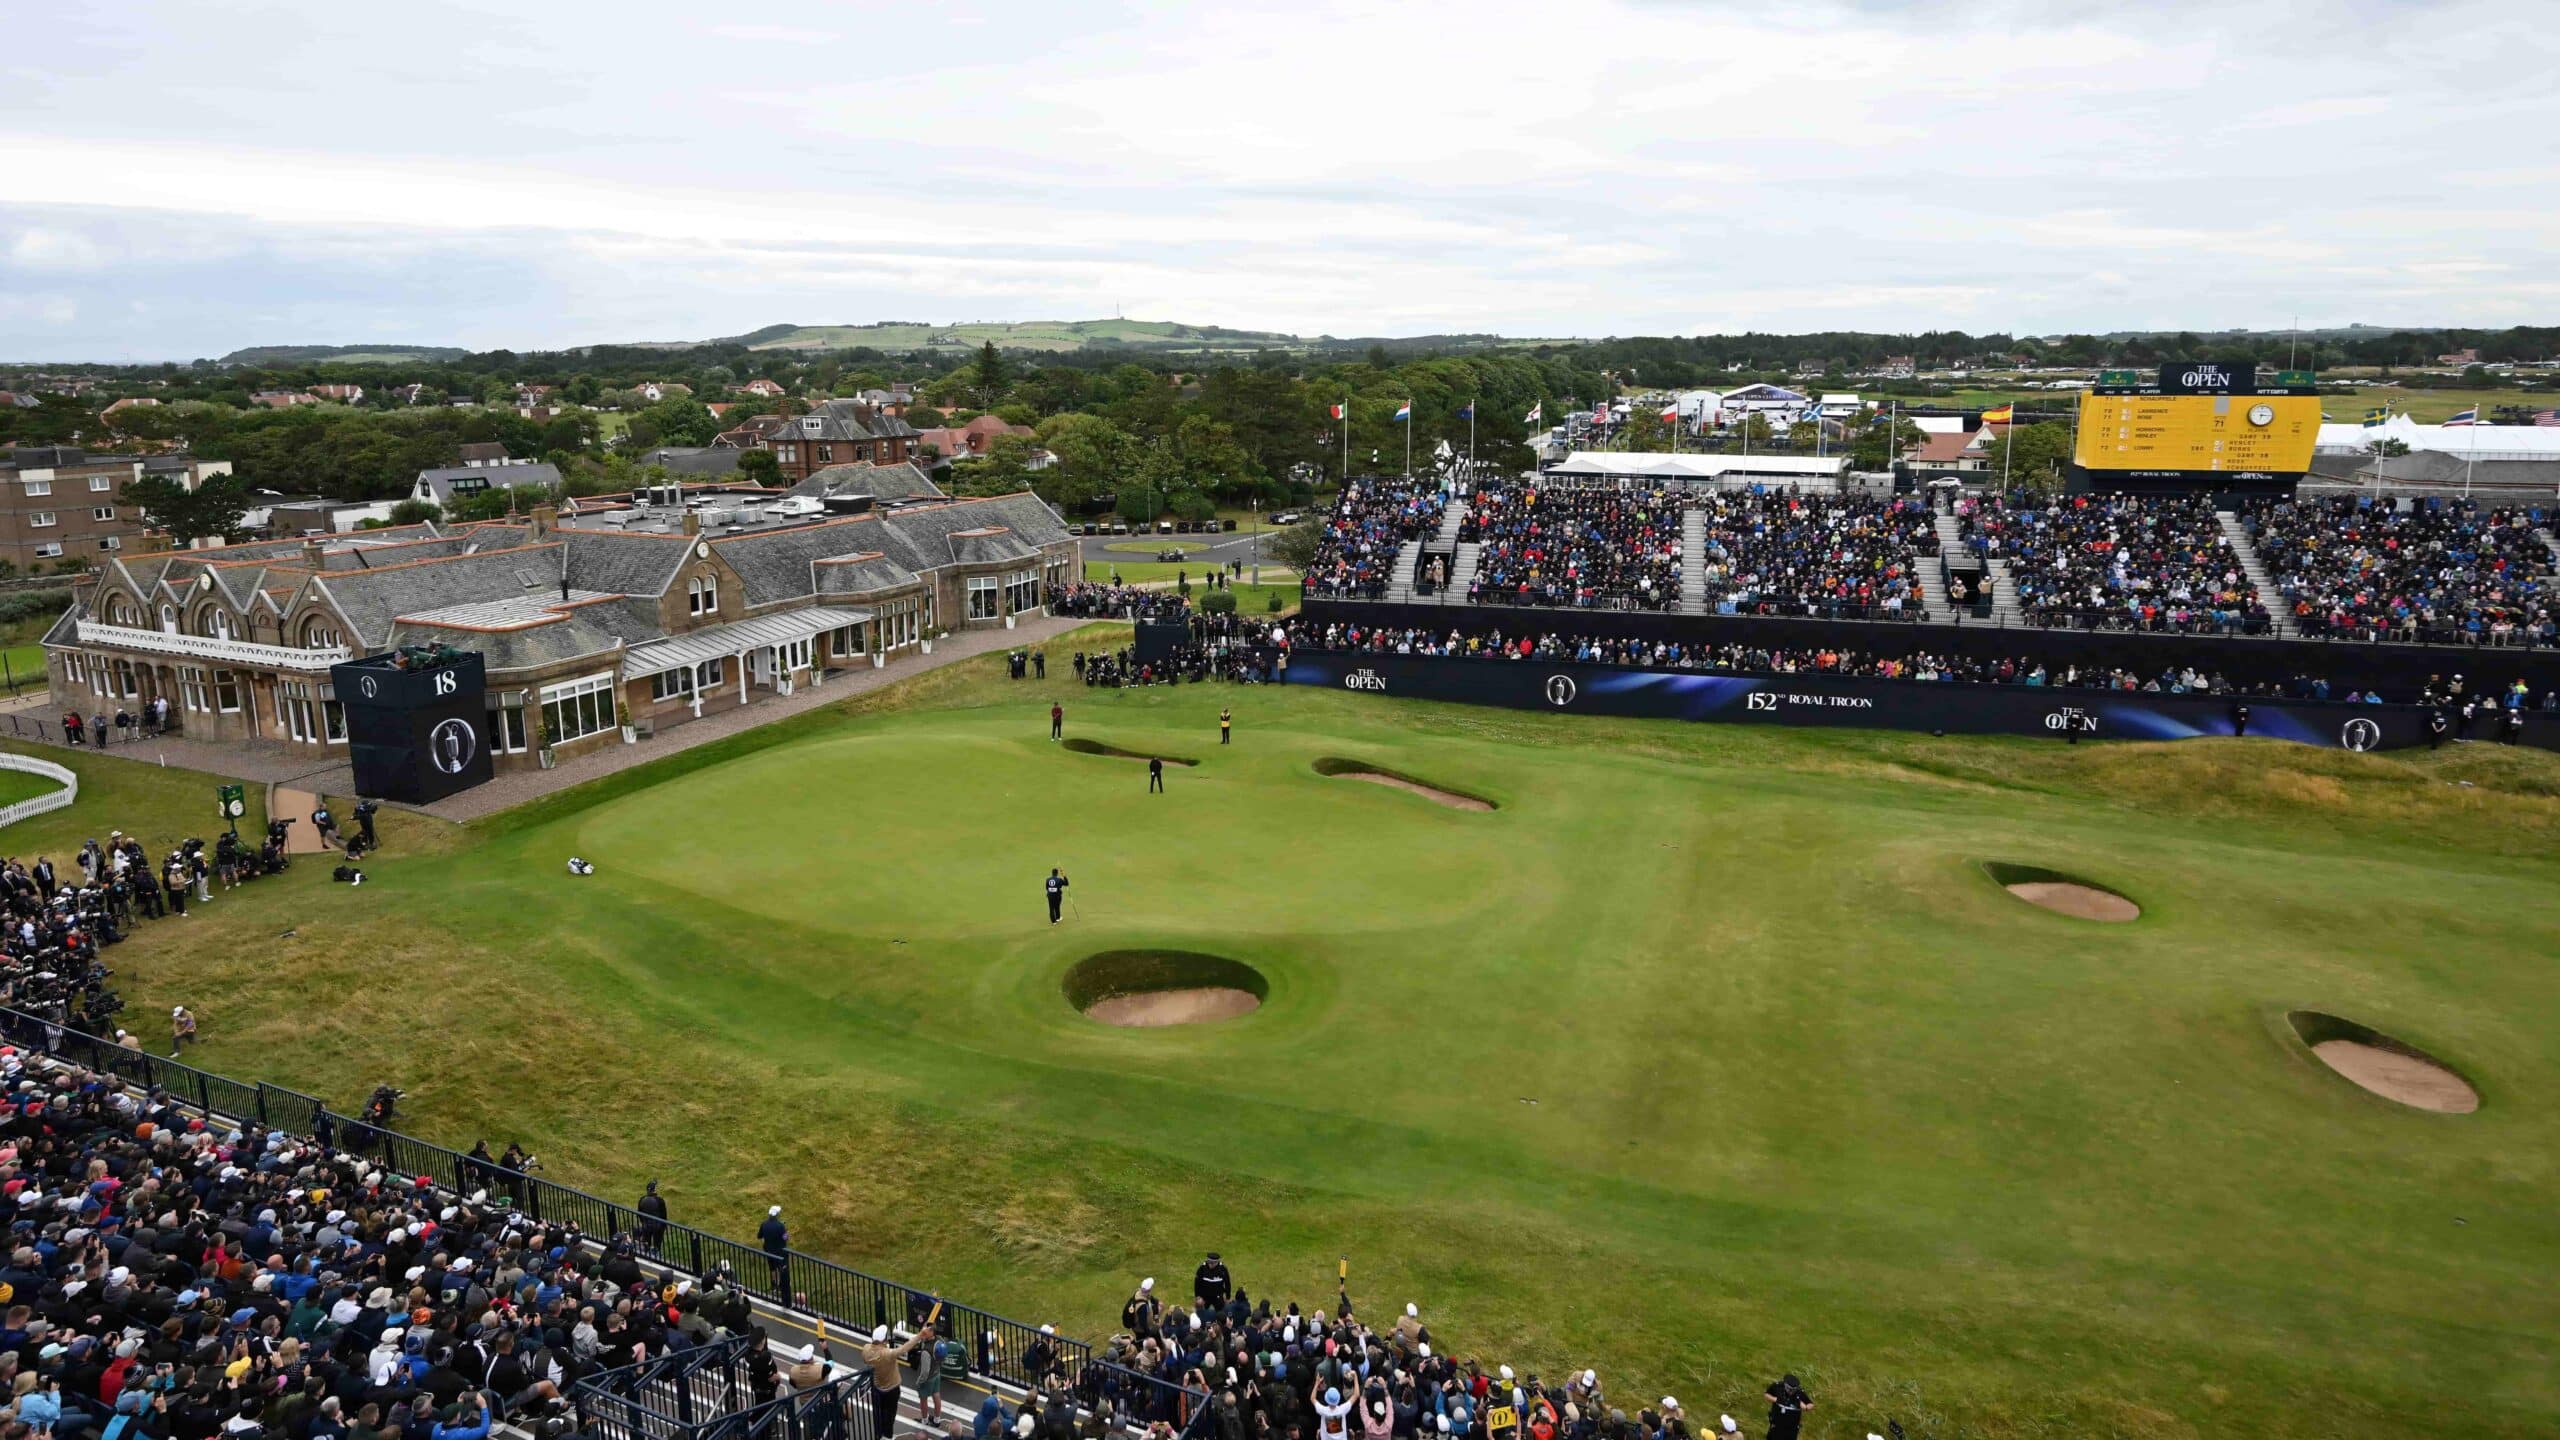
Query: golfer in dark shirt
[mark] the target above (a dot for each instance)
(1155, 774)
(1787, 1404)
(1057, 886)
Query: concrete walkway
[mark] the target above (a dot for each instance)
(268, 763)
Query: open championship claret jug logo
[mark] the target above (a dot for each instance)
(1561, 690)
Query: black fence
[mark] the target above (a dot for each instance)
(709, 1393)
(1000, 1348)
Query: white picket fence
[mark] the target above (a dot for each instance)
(70, 791)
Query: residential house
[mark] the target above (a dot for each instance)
(60, 505)
(283, 399)
(2459, 359)
(752, 434)
(340, 394)
(961, 441)
(445, 484)
(765, 388)
(839, 432)
(485, 455)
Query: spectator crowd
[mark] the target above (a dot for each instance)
(2437, 569)
(1569, 546)
(2118, 562)
(1833, 556)
(1357, 542)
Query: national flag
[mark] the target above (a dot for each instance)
(1670, 413)
(1536, 413)
(2546, 417)
(2378, 415)
(1405, 411)
(1342, 409)
(1999, 416)
(2467, 417)
(1467, 411)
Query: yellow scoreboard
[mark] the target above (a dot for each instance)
(2192, 433)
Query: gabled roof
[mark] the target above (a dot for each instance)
(774, 565)
(624, 564)
(440, 482)
(865, 572)
(902, 481)
(992, 545)
(370, 600)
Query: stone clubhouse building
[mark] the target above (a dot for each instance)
(638, 611)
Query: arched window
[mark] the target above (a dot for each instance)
(121, 611)
(318, 634)
(169, 619)
(702, 596)
(214, 624)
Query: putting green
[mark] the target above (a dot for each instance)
(1708, 1053)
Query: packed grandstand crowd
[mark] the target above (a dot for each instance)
(2117, 562)
(1839, 557)
(1919, 664)
(1550, 545)
(2445, 570)
(1357, 541)
(2436, 570)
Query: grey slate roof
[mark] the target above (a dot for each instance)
(902, 481)
(864, 573)
(371, 599)
(988, 547)
(620, 564)
(569, 637)
(681, 460)
(774, 564)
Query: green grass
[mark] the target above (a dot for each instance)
(159, 806)
(25, 666)
(1712, 1052)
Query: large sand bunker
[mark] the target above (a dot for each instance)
(1149, 988)
(1096, 747)
(1341, 769)
(2062, 894)
(2384, 1066)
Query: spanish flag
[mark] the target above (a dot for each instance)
(1999, 416)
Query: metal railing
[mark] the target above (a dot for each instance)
(206, 647)
(710, 1393)
(1004, 1349)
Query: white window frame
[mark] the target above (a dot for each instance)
(49, 550)
(99, 483)
(992, 607)
(1022, 591)
(587, 701)
(845, 640)
(227, 691)
(797, 654)
(39, 487)
(702, 595)
(39, 519)
(193, 691)
(507, 732)
(112, 542)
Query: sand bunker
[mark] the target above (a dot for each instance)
(1173, 1007)
(1340, 769)
(1149, 988)
(2384, 1066)
(1096, 747)
(2062, 894)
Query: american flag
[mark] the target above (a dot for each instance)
(2547, 417)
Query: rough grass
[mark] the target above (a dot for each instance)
(1710, 1054)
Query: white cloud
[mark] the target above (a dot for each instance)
(469, 173)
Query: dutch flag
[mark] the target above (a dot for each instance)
(1405, 411)
(2467, 417)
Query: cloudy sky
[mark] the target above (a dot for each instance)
(180, 179)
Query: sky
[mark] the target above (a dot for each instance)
(181, 179)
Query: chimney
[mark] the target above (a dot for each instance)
(313, 556)
(693, 522)
(546, 518)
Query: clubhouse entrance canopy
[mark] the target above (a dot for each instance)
(737, 640)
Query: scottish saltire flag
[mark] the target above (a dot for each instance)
(1405, 411)
(2467, 417)
(1342, 409)
(1536, 412)
(1467, 411)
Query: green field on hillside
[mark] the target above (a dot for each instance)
(1709, 1053)
(1029, 335)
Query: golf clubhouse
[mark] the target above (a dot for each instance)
(644, 612)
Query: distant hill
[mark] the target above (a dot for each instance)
(355, 354)
(902, 336)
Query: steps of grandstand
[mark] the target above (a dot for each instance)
(1450, 520)
(1469, 554)
(2004, 594)
(2259, 575)
(1400, 579)
(1693, 563)
(2551, 543)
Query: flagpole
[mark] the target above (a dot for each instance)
(1408, 439)
(1346, 442)
(1471, 445)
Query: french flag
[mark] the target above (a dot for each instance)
(2467, 417)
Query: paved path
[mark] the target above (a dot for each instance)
(514, 788)
(269, 763)
(284, 802)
